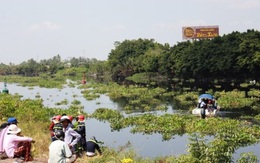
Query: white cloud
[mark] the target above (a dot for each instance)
(44, 26)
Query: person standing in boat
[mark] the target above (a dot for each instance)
(203, 105)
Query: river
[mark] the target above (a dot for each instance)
(145, 145)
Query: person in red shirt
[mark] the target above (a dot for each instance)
(55, 126)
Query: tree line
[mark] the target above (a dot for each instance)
(234, 56)
(51, 66)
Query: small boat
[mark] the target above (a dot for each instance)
(212, 108)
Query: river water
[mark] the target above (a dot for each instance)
(145, 145)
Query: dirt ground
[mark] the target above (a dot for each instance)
(36, 160)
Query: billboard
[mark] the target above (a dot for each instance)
(199, 32)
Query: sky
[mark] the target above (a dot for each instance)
(42, 29)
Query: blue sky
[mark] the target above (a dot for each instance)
(41, 29)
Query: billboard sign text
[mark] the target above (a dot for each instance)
(199, 32)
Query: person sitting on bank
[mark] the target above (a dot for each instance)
(17, 146)
(59, 151)
(92, 146)
(3, 131)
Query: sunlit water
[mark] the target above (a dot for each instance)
(144, 145)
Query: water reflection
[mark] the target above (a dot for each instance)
(145, 145)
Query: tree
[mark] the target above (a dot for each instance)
(134, 56)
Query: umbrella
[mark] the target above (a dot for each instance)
(208, 96)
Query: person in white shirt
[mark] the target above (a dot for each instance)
(59, 151)
(71, 136)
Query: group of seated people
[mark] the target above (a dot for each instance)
(209, 104)
(68, 140)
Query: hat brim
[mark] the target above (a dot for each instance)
(14, 132)
(63, 120)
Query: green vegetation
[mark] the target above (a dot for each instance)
(63, 102)
(138, 98)
(168, 124)
(75, 102)
(41, 81)
(131, 98)
(236, 100)
(227, 134)
(199, 60)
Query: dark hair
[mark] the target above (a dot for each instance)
(3, 126)
(59, 134)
